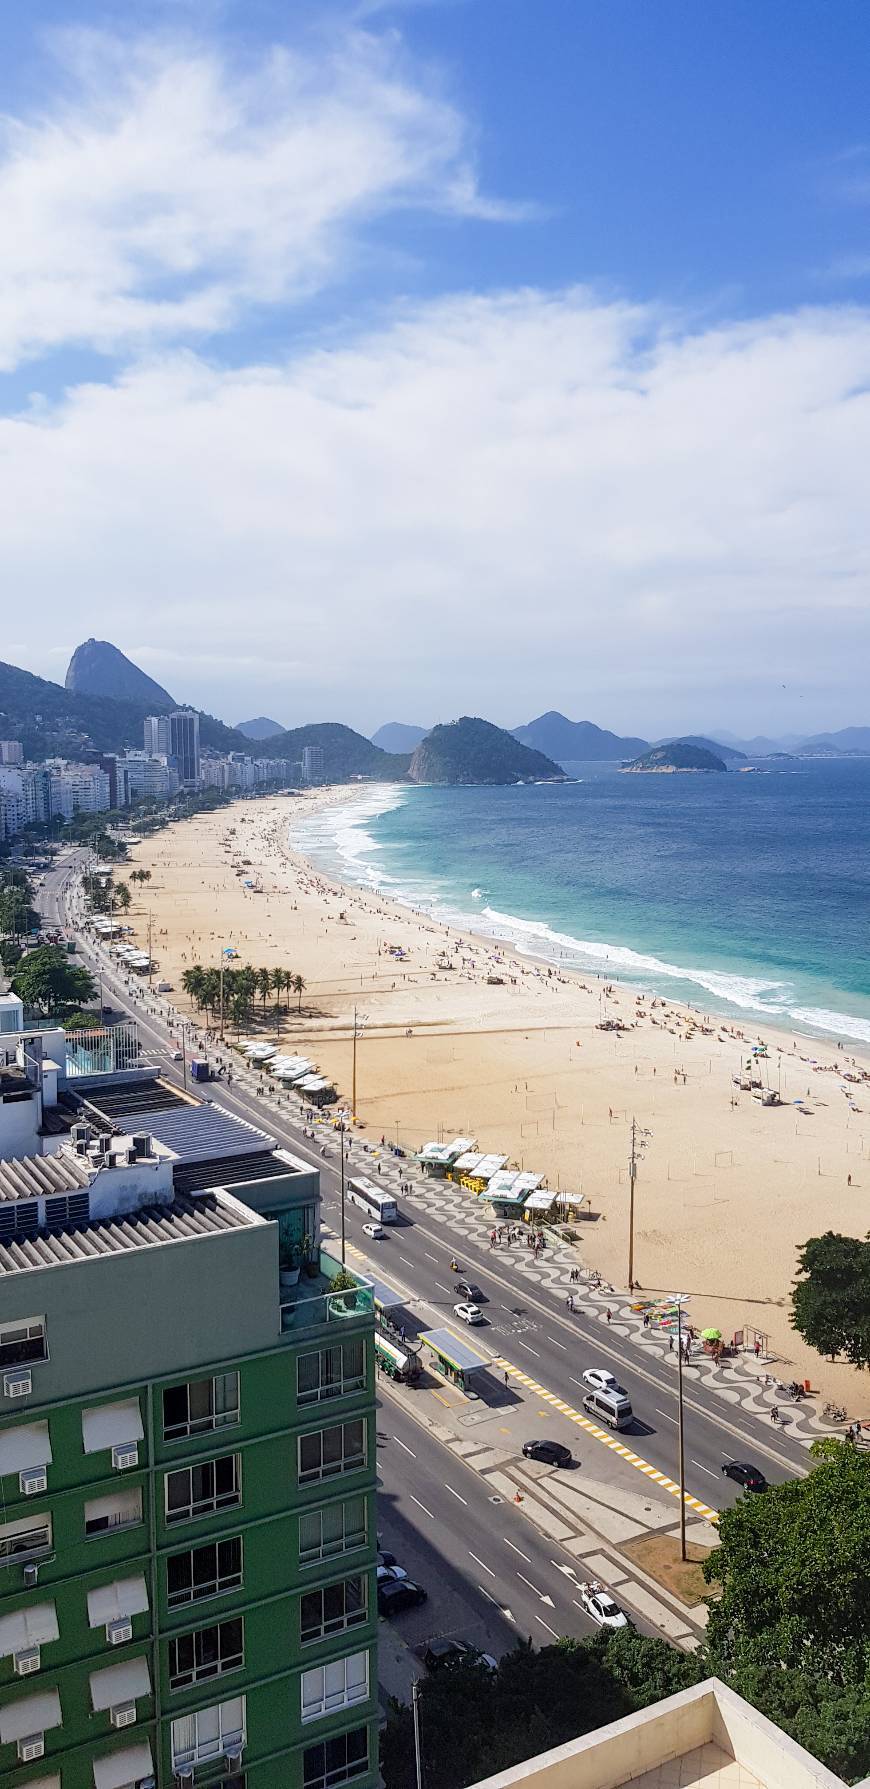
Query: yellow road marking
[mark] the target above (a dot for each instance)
(608, 1440)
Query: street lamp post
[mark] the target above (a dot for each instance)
(341, 1152)
(680, 1445)
(359, 1020)
(639, 1140)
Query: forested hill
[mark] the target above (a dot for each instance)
(345, 753)
(471, 750)
(52, 721)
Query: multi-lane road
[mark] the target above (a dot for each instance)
(491, 1576)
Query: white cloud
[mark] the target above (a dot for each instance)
(497, 504)
(165, 191)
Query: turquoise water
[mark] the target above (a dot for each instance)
(744, 894)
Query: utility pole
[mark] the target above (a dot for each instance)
(418, 1750)
(149, 950)
(680, 1446)
(341, 1151)
(353, 1092)
(639, 1140)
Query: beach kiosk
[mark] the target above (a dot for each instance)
(539, 1206)
(475, 1171)
(437, 1158)
(395, 1354)
(457, 1359)
(508, 1191)
(317, 1089)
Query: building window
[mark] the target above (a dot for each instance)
(331, 1610)
(204, 1571)
(200, 1406)
(324, 1452)
(209, 1732)
(326, 1688)
(22, 1340)
(26, 1539)
(203, 1489)
(122, 1510)
(207, 1653)
(336, 1760)
(331, 1372)
(339, 1528)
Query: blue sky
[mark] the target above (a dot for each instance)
(535, 336)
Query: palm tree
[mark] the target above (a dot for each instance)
(264, 987)
(299, 988)
(122, 897)
(193, 983)
(278, 979)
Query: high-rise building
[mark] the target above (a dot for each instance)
(313, 768)
(11, 751)
(187, 1473)
(156, 735)
(184, 743)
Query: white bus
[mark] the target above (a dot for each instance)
(380, 1206)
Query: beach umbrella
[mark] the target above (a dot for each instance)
(711, 1335)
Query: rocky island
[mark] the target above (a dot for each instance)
(678, 756)
(474, 751)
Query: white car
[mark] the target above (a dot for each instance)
(389, 1574)
(469, 1313)
(600, 1380)
(375, 1231)
(600, 1605)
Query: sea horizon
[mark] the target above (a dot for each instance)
(744, 896)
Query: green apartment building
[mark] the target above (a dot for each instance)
(187, 1486)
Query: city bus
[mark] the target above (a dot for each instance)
(380, 1206)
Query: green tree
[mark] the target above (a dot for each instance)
(48, 982)
(299, 988)
(830, 1305)
(10, 954)
(15, 912)
(122, 897)
(264, 987)
(791, 1628)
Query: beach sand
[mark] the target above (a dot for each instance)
(727, 1190)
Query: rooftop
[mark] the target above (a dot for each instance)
(149, 1227)
(41, 1176)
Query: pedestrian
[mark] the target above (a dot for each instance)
(670, 1344)
(757, 1348)
(774, 1414)
(609, 1314)
(506, 1379)
(646, 1319)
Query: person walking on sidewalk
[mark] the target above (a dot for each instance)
(609, 1314)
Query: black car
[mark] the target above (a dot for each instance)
(553, 1453)
(441, 1653)
(395, 1594)
(747, 1476)
(470, 1290)
(386, 1558)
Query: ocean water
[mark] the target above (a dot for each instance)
(741, 894)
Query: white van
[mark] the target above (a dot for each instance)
(611, 1407)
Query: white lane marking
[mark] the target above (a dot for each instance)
(578, 1382)
(706, 1469)
(562, 1345)
(482, 1563)
(516, 1549)
(546, 1624)
(528, 1350)
(422, 1506)
(442, 1288)
(455, 1494)
(408, 1450)
(671, 1419)
(428, 1256)
(406, 1261)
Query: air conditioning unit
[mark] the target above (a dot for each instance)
(120, 1631)
(184, 1774)
(123, 1714)
(30, 1748)
(124, 1455)
(17, 1385)
(146, 1783)
(33, 1481)
(234, 1759)
(27, 1661)
(31, 1576)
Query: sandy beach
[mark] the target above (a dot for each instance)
(506, 1051)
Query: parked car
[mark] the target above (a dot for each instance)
(601, 1380)
(600, 1605)
(385, 1558)
(441, 1653)
(468, 1289)
(553, 1453)
(470, 1313)
(399, 1594)
(391, 1574)
(375, 1231)
(744, 1474)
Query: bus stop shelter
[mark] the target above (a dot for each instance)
(456, 1358)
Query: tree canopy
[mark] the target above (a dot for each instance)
(831, 1303)
(48, 982)
(791, 1629)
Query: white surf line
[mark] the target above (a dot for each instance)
(455, 1494)
(402, 1444)
(422, 1506)
(482, 1563)
(514, 1549)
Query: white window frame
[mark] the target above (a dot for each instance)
(326, 1689)
(176, 1601)
(214, 1419)
(202, 1672)
(333, 1469)
(17, 1332)
(329, 1386)
(351, 1617)
(25, 1525)
(118, 1498)
(334, 1549)
(230, 1736)
(194, 1511)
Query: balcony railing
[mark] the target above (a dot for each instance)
(312, 1304)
